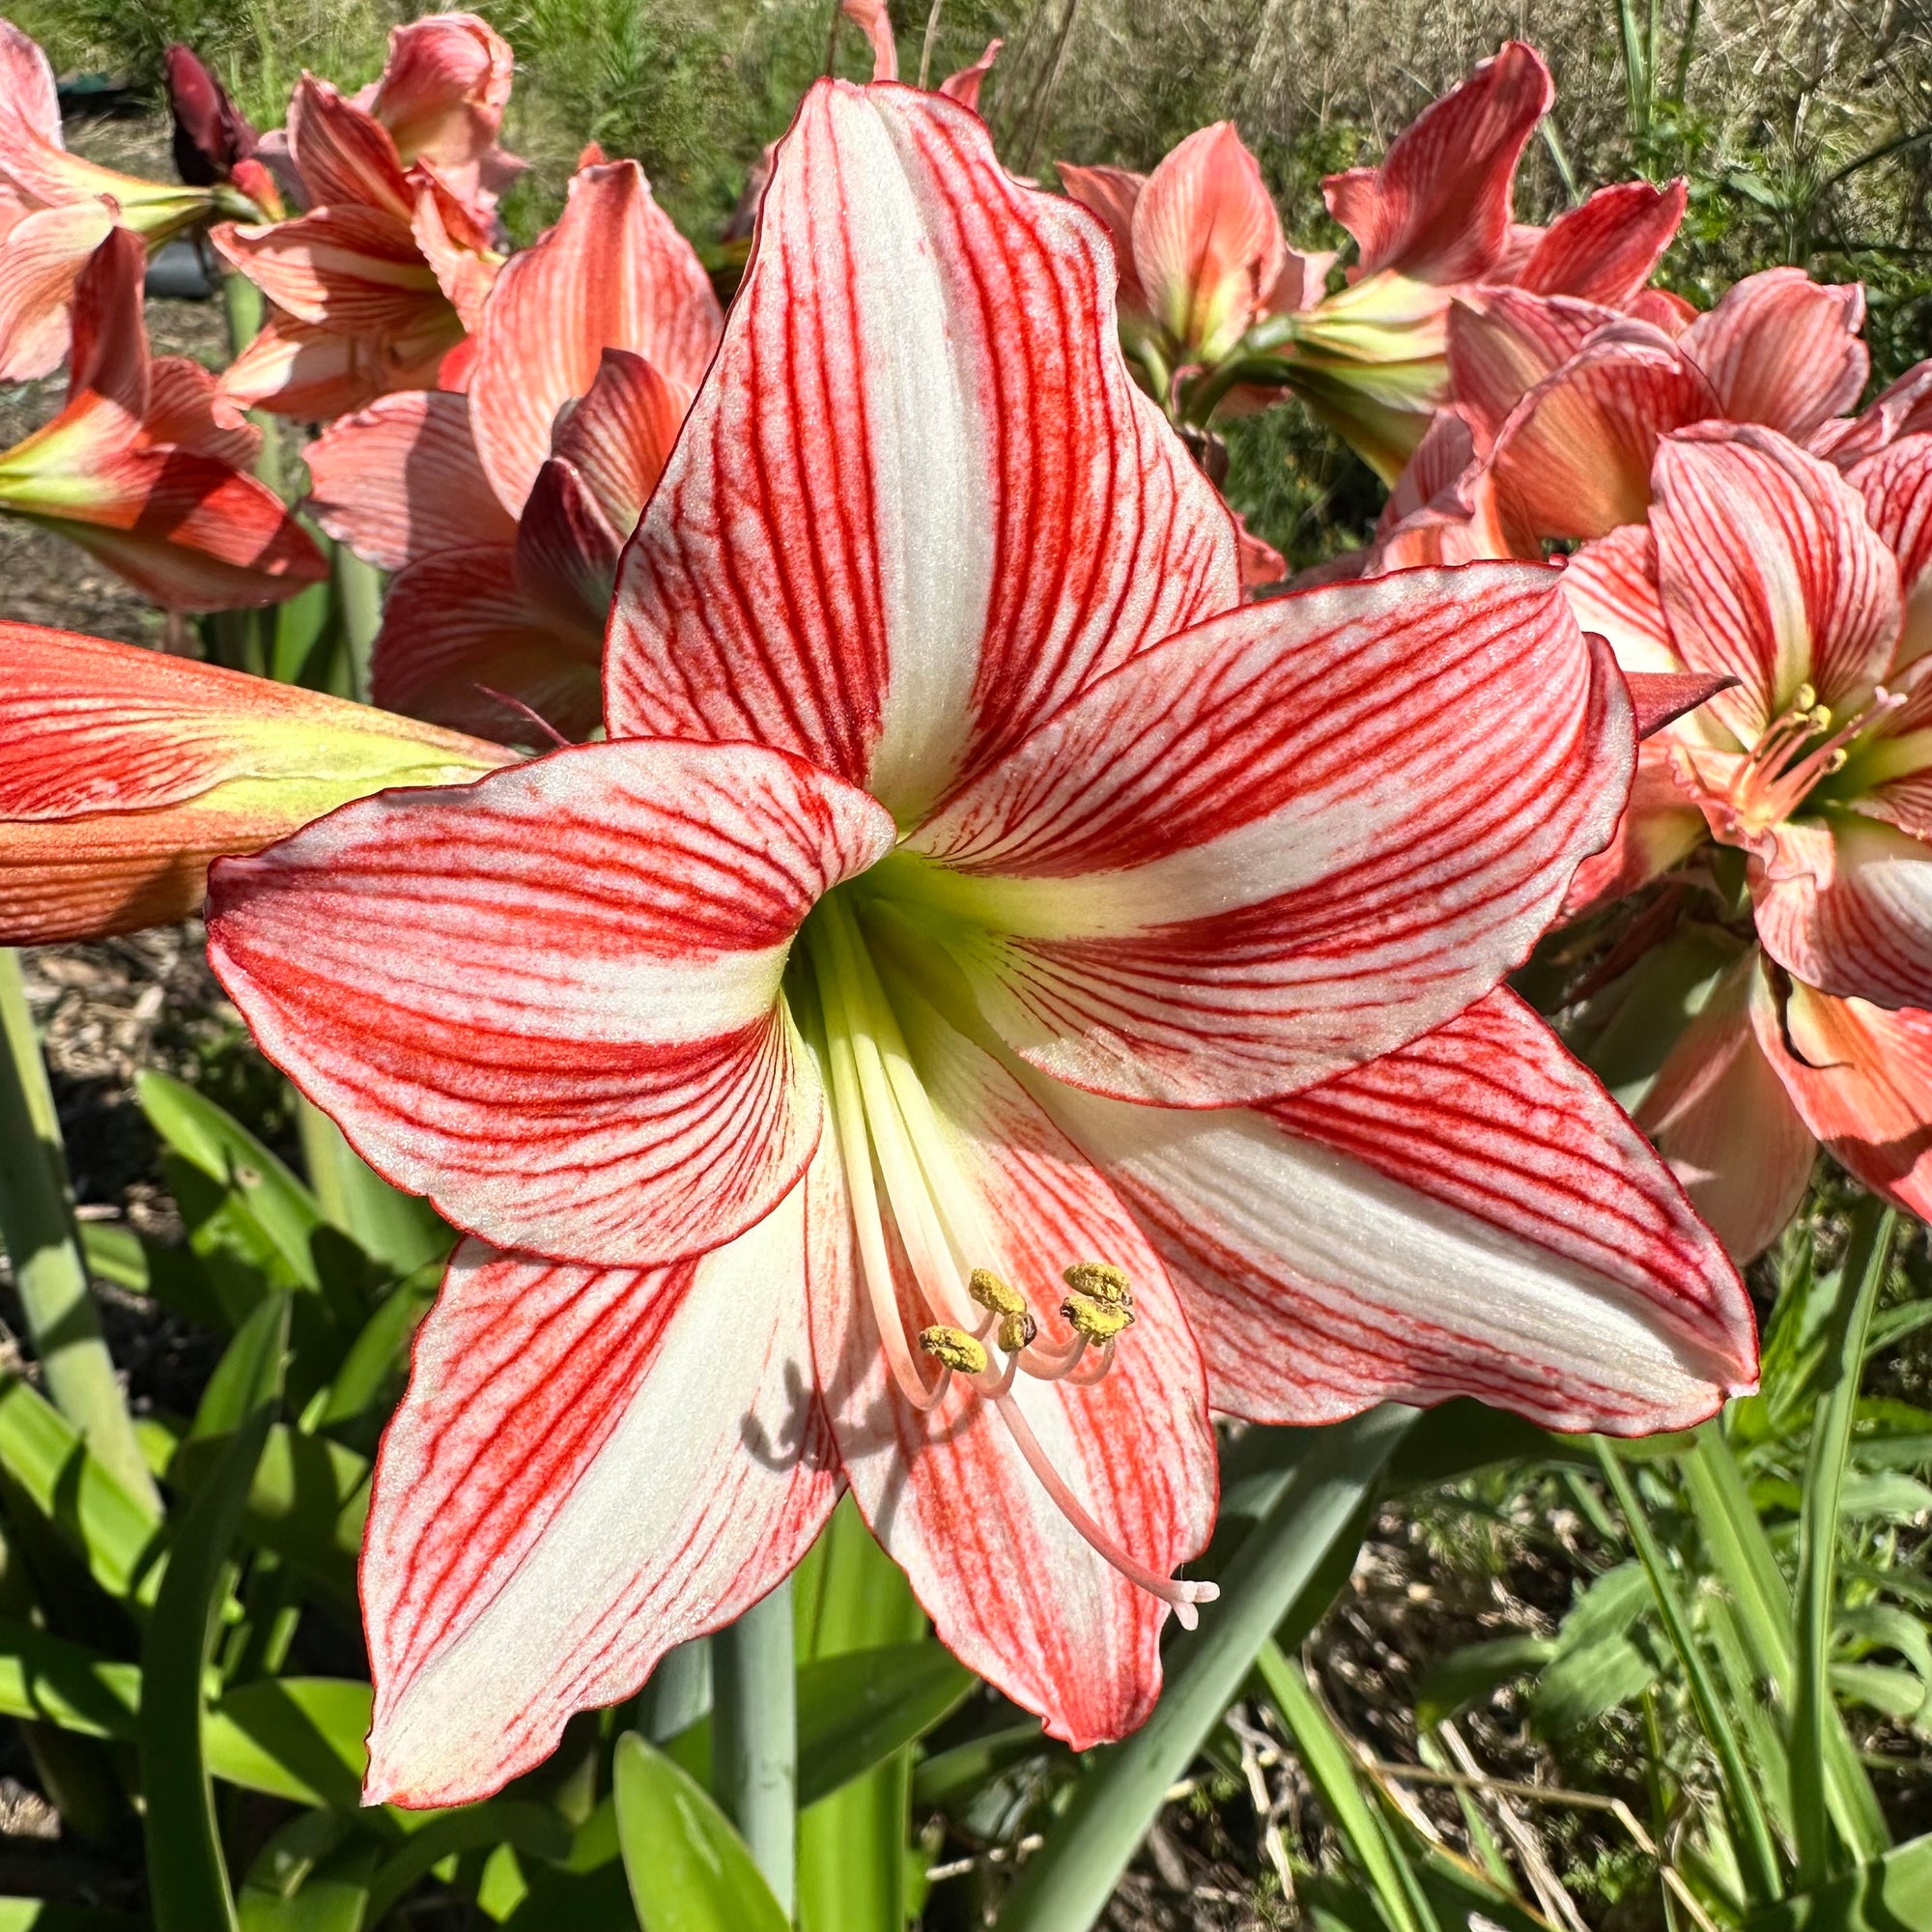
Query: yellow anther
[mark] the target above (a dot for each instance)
(1099, 1280)
(1820, 717)
(1098, 1322)
(991, 1293)
(1805, 697)
(1017, 1331)
(1837, 760)
(953, 1346)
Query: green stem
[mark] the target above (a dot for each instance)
(241, 304)
(1866, 1266)
(755, 1736)
(358, 598)
(678, 1693)
(36, 1224)
(1069, 1881)
(1759, 1850)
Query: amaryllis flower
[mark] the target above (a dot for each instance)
(1433, 220)
(1200, 246)
(1813, 589)
(56, 208)
(385, 273)
(992, 997)
(502, 509)
(127, 770)
(147, 470)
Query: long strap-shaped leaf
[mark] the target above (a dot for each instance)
(1865, 1264)
(1067, 1885)
(188, 1879)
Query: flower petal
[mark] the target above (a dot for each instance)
(345, 156)
(355, 269)
(1574, 460)
(964, 86)
(1611, 584)
(1011, 1586)
(443, 90)
(108, 355)
(1607, 248)
(1862, 1077)
(1658, 827)
(591, 1465)
(917, 502)
(186, 410)
(1767, 570)
(1896, 485)
(613, 273)
(464, 642)
(39, 258)
(1847, 907)
(1437, 209)
(620, 437)
(298, 370)
(1207, 242)
(1721, 1115)
(610, 1074)
(1470, 1216)
(128, 769)
(1111, 193)
(1783, 349)
(1502, 342)
(400, 481)
(1287, 841)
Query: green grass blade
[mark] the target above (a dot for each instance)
(1761, 1869)
(689, 1870)
(49, 1274)
(1889, 1894)
(1325, 1759)
(1068, 1882)
(188, 1879)
(1866, 1266)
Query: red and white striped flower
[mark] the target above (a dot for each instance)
(992, 999)
(502, 509)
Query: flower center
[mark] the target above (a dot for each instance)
(1796, 750)
(976, 1327)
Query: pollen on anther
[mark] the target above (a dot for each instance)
(1099, 1321)
(991, 1293)
(954, 1348)
(1099, 1280)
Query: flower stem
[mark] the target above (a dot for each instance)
(755, 1736)
(359, 602)
(37, 1223)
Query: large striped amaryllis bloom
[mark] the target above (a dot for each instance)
(992, 1000)
(502, 509)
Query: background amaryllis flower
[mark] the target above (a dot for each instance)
(1809, 588)
(502, 509)
(383, 275)
(147, 469)
(993, 998)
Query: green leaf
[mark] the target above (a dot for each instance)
(1597, 1664)
(116, 1535)
(39, 1915)
(534, 1829)
(399, 1231)
(366, 1385)
(688, 1870)
(856, 1710)
(188, 1879)
(116, 1253)
(333, 1897)
(298, 1737)
(1889, 1895)
(1469, 1675)
(249, 1372)
(214, 1141)
(1068, 1882)
(50, 1680)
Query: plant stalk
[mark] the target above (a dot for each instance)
(754, 1737)
(36, 1224)
(359, 600)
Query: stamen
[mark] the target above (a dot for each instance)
(1779, 773)
(1171, 1590)
(1099, 1280)
(1017, 1327)
(957, 1349)
(1096, 1321)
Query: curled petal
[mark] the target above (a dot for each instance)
(1896, 485)
(1721, 1115)
(917, 502)
(871, 19)
(400, 481)
(610, 1074)
(1573, 459)
(345, 156)
(1769, 571)
(1862, 1077)
(1783, 349)
(357, 271)
(1611, 584)
(1503, 341)
(1286, 840)
(1846, 906)
(1606, 251)
(964, 86)
(1903, 407)
(613, 273)
(1010, 1584)
(108, 355)
(441, 98)
(1470, 1214)
(40, 259)
(591, 1465)
(127, 770)
(1208, 243)
(186, 411)
(299, 370)
(620, 437)
(1437, 209)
